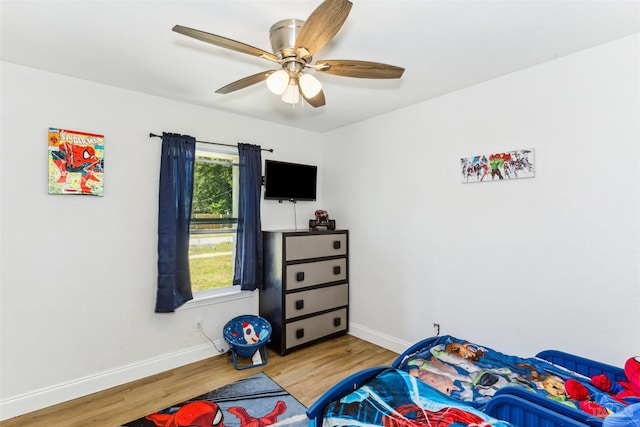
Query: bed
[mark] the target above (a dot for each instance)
(487, 387)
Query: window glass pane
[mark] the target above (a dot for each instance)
(211, 261)
(213, 220)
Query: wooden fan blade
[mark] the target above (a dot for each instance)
(316, 101)
(225, 42)
(323, 23)
(245, 82)
(359, 69)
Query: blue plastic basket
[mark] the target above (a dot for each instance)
(234, 334)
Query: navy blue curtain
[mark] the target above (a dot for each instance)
(176, 191)
(248, 266)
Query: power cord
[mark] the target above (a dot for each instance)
(212, 342)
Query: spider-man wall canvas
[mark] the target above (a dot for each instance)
(76, 164)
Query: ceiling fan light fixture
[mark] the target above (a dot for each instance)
(295, 43)
(309, 85)
(291, 94)
(278, 82)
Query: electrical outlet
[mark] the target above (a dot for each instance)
(198, 326)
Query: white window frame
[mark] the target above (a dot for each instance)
(231, 292)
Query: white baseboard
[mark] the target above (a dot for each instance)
(38, 399)
(378, 338)
(32, 401)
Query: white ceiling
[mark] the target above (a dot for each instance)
(443, 45)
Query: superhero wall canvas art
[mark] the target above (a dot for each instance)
(498, 166)
(76, 162)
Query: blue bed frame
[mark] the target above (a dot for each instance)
(517, 406)
(581, 365)
(514, 409)
(586, 367)
(315, 413)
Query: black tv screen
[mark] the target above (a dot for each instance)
(289, 181)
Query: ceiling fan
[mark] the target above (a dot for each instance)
(294, 42)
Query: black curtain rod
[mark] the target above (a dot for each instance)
(153, 135)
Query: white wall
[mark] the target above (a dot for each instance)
(78, 273)
(523, 265)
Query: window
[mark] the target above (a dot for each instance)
(214, 216)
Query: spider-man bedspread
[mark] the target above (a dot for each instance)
(470, 373)
(396, 399)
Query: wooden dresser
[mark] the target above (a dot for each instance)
(306, 294)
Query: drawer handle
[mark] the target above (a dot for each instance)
(300, 276)
(336, 269)
(299, 304)
(336, 244)
(337, 321)
(300, 333)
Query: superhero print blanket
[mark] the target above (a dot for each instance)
(395, 398)
(472, 374)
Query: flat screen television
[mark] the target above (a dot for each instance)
(289, 181)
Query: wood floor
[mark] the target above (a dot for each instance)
(305, 373)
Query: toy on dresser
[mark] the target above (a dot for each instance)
(322, 220)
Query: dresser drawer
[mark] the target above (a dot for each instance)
(309, 302)
(303, 331)
(315, 273)
(314, 246)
